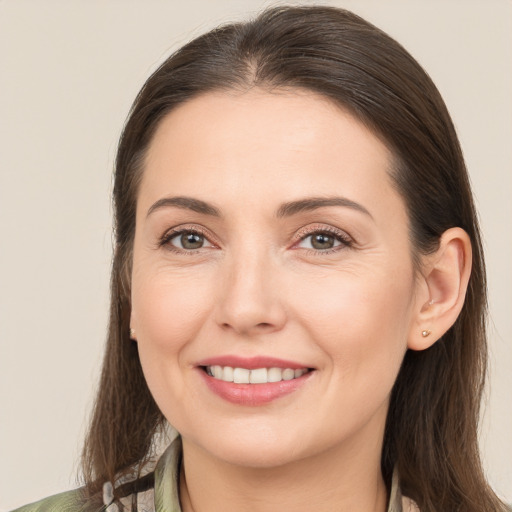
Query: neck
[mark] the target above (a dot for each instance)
(344, 478)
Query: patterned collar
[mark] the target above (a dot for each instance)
(164, 496)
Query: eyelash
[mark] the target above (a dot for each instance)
(169, 235)
(340, 236)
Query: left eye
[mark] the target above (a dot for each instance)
(321, 241)
(188, 240)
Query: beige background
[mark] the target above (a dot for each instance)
(69, 70)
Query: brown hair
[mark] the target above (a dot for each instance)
(431, 430)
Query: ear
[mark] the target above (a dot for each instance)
(442, 289)
(133, 332)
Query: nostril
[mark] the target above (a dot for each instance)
(261, 325)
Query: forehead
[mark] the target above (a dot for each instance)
(259, 144)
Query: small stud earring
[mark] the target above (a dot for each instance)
(132, 333)
(425, 333)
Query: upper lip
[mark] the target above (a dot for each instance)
(251, 363)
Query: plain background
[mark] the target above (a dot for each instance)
(69, 71)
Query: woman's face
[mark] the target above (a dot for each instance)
(271, 243)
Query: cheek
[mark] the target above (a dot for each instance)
(361, 321)
(168, 310)
(168, 313)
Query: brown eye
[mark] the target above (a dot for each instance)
(186, 240)
(191, 241)
(322, 241)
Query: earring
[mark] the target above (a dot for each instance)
(425, 333)
(132, 333)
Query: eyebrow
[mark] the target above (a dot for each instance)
(186, 203)
(313, 203)
(285, 210)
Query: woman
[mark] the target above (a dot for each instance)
(298, 284)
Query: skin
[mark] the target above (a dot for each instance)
(258, 286)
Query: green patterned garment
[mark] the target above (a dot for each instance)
(158, 492)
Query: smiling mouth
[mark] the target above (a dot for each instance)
(239, 375)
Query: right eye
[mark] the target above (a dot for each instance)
(185, 240)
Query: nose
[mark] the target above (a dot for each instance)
(250, 302)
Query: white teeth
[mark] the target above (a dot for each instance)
(275, 375)
(241, 375)
(227, 374)
(256, 376)
(288, 374)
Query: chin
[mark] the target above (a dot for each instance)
(261, 455)
(262, 446)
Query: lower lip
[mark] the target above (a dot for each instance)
(253, 394)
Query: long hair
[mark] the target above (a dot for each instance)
(431, 429)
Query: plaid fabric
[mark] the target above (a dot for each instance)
(158, 492)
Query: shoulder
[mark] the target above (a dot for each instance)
(70, 501)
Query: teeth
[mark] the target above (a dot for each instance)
(227, 374)
(288, 374)
(241, 376)
(275, 375)
(256, 376)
